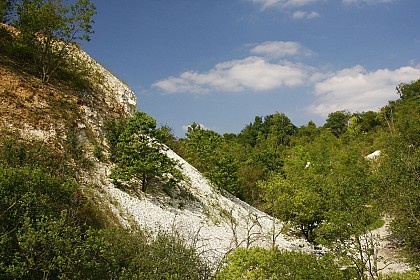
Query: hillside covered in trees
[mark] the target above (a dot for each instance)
(319, 179)
(61, 118)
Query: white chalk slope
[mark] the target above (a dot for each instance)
(215, 223)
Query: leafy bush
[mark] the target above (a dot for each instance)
(409, 275)
(138, 255)
(36, 155)
(261, 264)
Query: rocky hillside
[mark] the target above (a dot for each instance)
(68, 118)
(56, 113)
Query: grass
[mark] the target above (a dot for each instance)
(377, 224)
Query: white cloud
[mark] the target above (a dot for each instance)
(305, 15)
(277, 49)
(252, 73)
(265, 4)
(356, 89)
(368, 2)
(290, 6)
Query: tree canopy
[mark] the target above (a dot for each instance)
(48, 31)
(138, 154)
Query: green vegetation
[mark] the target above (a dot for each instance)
(318, 179)
(399, 169)
(50, 230)
(261, 264)
(138, 154)
(410, 275)
(47, 30)
(5, 10)
(46, 35)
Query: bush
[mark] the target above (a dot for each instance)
(166, 256)
(36, 155)
(261, 264)
(409, 275)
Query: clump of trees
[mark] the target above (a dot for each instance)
(399, 169)
(317, 178)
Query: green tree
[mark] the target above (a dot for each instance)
(323, 190)
(201, 146)
(363, 122)
(297, 202)
(50, 29)
(139, 155)
(251, 132)
(306, 134)
(337, 122)
(213, 155)
(406, 91)
(279, 130)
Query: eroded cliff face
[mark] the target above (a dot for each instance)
(53, 112)
(114, 91)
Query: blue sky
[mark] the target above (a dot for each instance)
(220, 63)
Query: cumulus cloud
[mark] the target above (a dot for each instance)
(289, 6)
(357, 89)
(277, 49)
(252, 73)
(305, 15)
(367, 2)
(282, 3)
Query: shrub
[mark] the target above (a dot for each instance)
(261, 264)
(409, 275)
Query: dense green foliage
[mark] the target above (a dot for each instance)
(410, 275)
(138, 154)
(399, 169)
(50, 230)
(261, 264)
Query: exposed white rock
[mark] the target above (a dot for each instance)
(38, 134)
(374, 156)
(213, 222)
(112, 87)
(389, 259)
